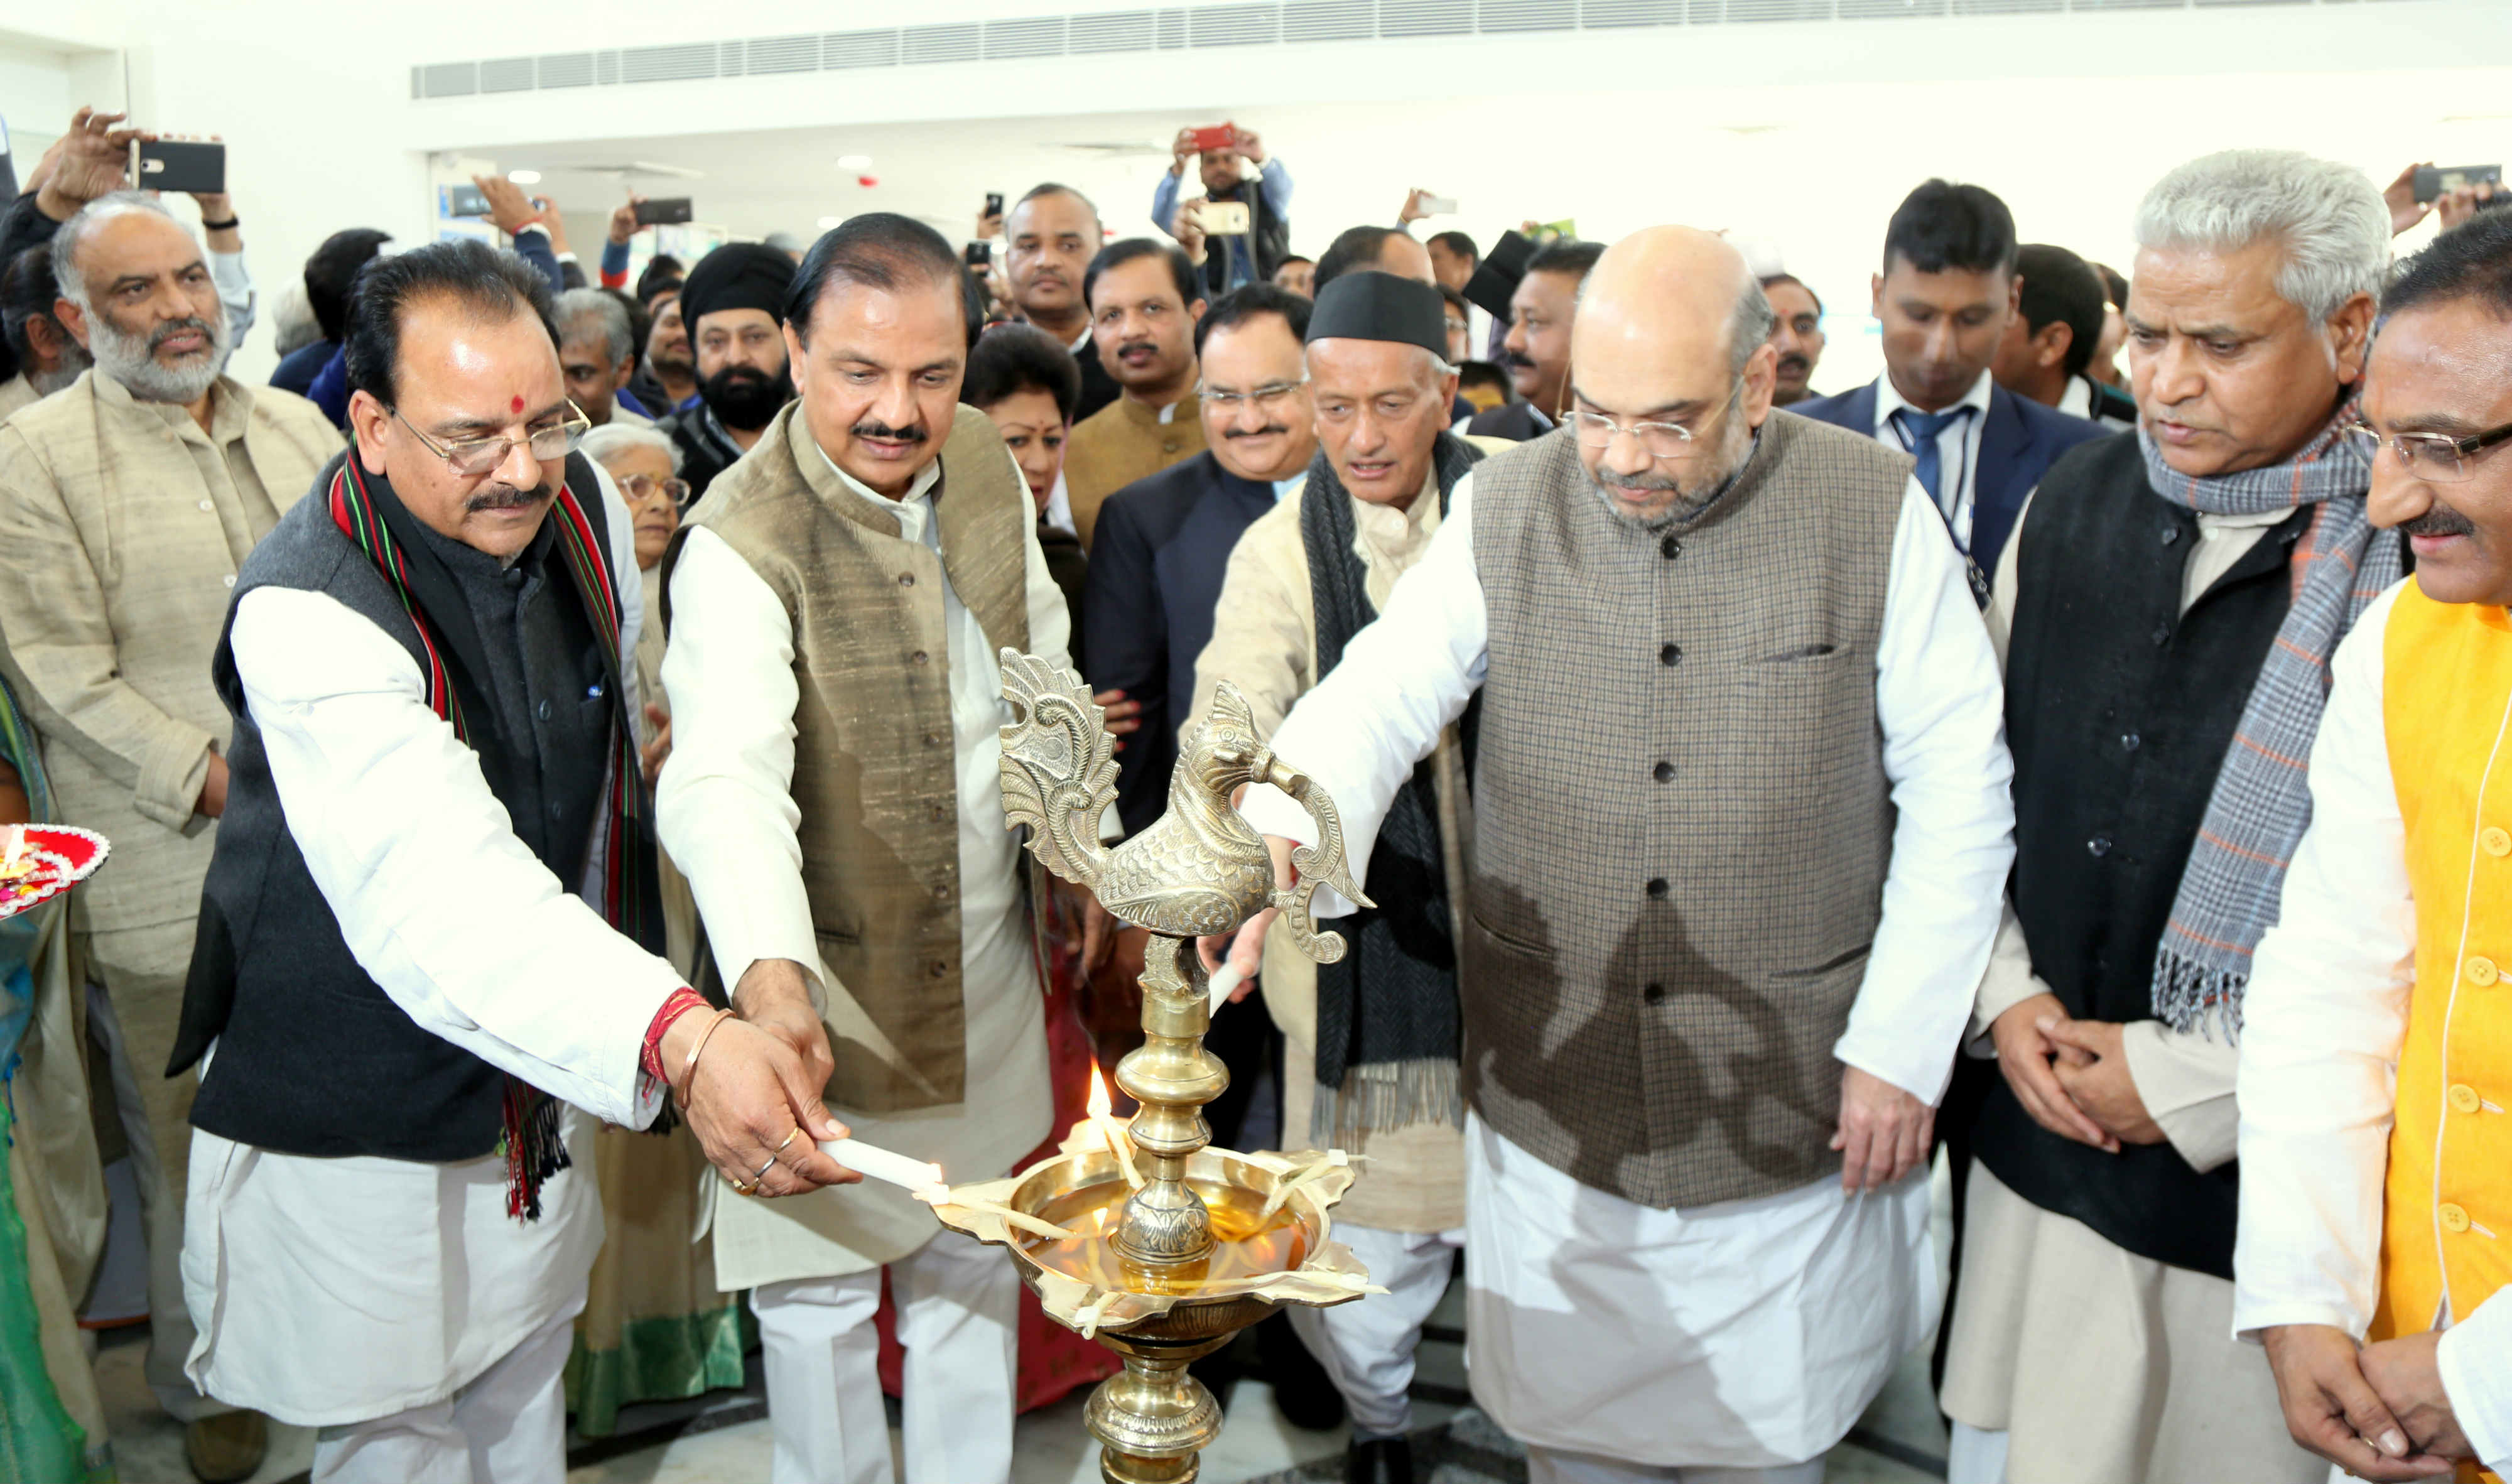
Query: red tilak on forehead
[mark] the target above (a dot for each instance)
(516, 405)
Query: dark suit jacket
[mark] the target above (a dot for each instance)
(2018, 443)
(1158, 557)
(1515, 421)
(1098, 388)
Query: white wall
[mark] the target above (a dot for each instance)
(1800, 135)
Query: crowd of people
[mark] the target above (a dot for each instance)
(549, 740)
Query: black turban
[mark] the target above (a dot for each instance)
(740, 275)
(1380, 306)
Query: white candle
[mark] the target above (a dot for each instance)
(1231, 977)
(883, 1164)
(1120, 1143)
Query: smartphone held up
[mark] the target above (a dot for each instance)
(191, 167)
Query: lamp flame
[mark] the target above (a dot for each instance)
(1100, 1106)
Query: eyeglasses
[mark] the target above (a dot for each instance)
(2435, 456)
(1270, 395)
(641, 488)
(1662, 440)
(475, 456)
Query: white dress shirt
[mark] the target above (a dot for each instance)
(337, 1290)
(725, 810)
(1750, 1333)
(1957, 450)
(2322, 1025)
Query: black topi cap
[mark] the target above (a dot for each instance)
(1371, 305)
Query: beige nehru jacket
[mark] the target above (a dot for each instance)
(122, 525)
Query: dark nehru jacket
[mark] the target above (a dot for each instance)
(314, 1058)
(2119, 709)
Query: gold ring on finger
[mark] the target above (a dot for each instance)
(791, 1135)
(741, 1187)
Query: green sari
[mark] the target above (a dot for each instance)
(41, 1441)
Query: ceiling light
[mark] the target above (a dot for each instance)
(524, 176)
(854, 162)
(831, 223)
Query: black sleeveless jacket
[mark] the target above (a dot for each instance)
(2119, 710)
(314, 1058)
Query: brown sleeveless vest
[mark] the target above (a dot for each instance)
(874, 770)
(1681, 816)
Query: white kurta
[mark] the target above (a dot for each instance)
(2321, 1023)
(332, 1291)
(725, 808)
(1750, 1333)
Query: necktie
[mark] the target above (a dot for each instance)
(1920, 429)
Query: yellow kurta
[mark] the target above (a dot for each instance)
(2448, 1206)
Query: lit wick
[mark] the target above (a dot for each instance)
(10, 860)
(1120, 1142)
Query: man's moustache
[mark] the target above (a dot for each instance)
(1129, 347)
(2440, 521)
(1516, 361)
(1266, 431)
(1797, 363)
(158, 338)
(887, 433)
(503, 497)
(1645, 483)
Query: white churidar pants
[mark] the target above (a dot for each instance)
(1366, 1346)
(1552, 1465)
(958, 1310)
(508, 1426)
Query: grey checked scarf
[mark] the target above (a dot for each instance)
(2255, 817)
(1388, 1023)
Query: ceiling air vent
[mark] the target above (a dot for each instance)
(1889, 10)
(1008, 39)
(506, 74)
(1233, 25)
(1495, 17)
(2007, 7)
(920, 44)
(667, 64)
(1109, 31)
(1329, 20)
(1610, 15)
(1426, 18)
(859, 49)
(1169, 31)
(782, 54)
(451, 79)
(567, 69)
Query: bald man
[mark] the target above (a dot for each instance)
(1741, 826)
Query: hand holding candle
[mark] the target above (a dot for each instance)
(884, 1164)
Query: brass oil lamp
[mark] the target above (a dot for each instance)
(1147, 1239)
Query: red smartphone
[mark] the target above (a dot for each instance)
(1218, 137)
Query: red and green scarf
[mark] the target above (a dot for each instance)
(370, 515)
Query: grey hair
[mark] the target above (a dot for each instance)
(620, 436)
(1749, 326)
(66, 279)
(577, 305)
(2328, 218)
